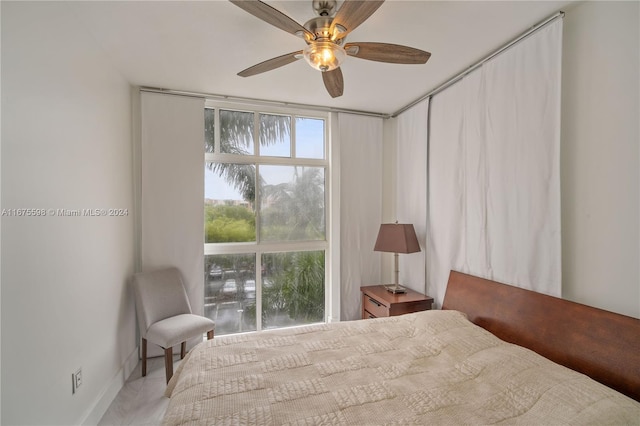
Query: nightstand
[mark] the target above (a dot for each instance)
(378, 302)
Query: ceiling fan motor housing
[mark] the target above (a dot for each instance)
(321, 28)
(324, 7)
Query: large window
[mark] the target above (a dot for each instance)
(265, 227)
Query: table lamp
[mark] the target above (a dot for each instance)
(397, 238)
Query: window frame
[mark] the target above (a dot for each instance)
(331, 199)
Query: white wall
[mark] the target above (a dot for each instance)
(600, 156)
(66, 144)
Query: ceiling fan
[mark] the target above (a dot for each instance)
(325, 37)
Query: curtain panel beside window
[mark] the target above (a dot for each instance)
(360, 207)
(411, 187)
(171, 188)
(494, 170)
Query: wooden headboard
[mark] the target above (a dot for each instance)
(603, 345)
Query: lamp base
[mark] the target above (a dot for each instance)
(396, 289)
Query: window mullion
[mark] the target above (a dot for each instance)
(216, 131)
(257, 145)
(258, 199)
(256, 134)
(259, 290)
(293, 137)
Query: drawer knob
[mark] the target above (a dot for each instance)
(375, 302)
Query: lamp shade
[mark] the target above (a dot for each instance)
(397, 238)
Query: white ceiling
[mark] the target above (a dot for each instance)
(200, 46)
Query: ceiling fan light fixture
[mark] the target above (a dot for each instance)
(324, 55)
(325, 36)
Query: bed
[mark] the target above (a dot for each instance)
(479, 360)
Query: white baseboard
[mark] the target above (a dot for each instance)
(111, 391)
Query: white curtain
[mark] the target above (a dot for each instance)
(360, 207)
(494, 182)
(172, 189)
(411, 189)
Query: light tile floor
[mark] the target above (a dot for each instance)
(141, 400)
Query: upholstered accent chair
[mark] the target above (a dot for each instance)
(164, 314)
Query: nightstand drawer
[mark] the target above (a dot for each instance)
(377, 302)
(375, 307)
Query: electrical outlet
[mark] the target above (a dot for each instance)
(76, 380)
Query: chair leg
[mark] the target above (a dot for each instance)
(183, 349)
(168, 363)
(144, 357)
(209, 334)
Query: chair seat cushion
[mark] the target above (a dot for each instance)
(171, 331)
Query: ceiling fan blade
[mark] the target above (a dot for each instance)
(386, 52)
(271, 64)
(333, 82)
(353, 13)
(273, 16)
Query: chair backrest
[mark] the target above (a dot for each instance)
(159, 295)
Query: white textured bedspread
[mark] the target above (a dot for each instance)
(431, 367)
